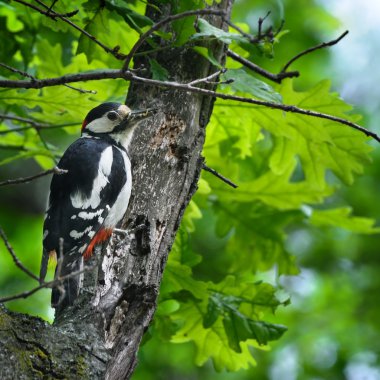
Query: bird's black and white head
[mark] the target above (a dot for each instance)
(115, 120)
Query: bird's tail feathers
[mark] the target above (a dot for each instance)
(65, 293)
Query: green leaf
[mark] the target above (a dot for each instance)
(244, 82)
(134, 19)
(278, 191)
(208, 30)
(158, 72)
(239, 329)
(184, 28)
(214, 309)
(211, 343)
(206, 53)
(85, 44)
(342, 218)
(167, 307)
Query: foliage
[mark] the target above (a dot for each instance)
(222, 280)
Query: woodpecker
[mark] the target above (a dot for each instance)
(88, 201)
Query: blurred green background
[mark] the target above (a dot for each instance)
(334, 316)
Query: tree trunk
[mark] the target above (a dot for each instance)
(100, 335)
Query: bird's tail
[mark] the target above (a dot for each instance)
(65, 293)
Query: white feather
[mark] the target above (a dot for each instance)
(79, 200)
(120, 206)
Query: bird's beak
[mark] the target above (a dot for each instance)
(136, 116)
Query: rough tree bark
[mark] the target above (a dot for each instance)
(100, 335)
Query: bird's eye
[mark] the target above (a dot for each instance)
(112, 115)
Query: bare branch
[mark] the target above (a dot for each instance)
(23, 120)
(49, 284)
(278, 106)
(252, 39)
(71, 78)
(218, 175)
(261, 20)
(127, 75)
(207, 79)
(259, 70)
(34, 124)
(166, 20)
(33, 79)
(47, 13)
(16, 181)
(52, 14)
(45, 144)
(307, 51)
(81, 90)
(14, 70)
(15, 258)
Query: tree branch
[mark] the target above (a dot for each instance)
(33, 79)
(17, 71)
(48, 284)
(70, 78)
(259, 70)
(48, 12)
(307, 51)
(159, 24)
(52, 14)
(16, 181)
(278, 106)
(33, 125)
(218, 175)
(15, 258)
(128, 75)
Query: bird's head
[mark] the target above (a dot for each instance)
(114, 119)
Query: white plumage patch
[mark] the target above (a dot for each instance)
(77, 235)
(90, 215)
(78, 199)
(119, 208)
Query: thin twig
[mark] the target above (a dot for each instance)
(252, 39)
(32, 78)
(47, 13)
(259, 70)
(38, 128)
(207, 79)
(81, 90)
(34, 124)
(114, 74)
(261, 20)
(52, 14)
(45, 144)
(51, 7)
(49, 284)
(307, 51)
(159, 24)
(23, 120)
(17, 71)
(278, 106)
(15, 258)
(71, 78)
(218, 175)
(16, 181)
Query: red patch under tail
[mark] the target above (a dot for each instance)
(101, 236)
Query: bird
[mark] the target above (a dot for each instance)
(89, 196)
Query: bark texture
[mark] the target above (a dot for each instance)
(99, 336)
